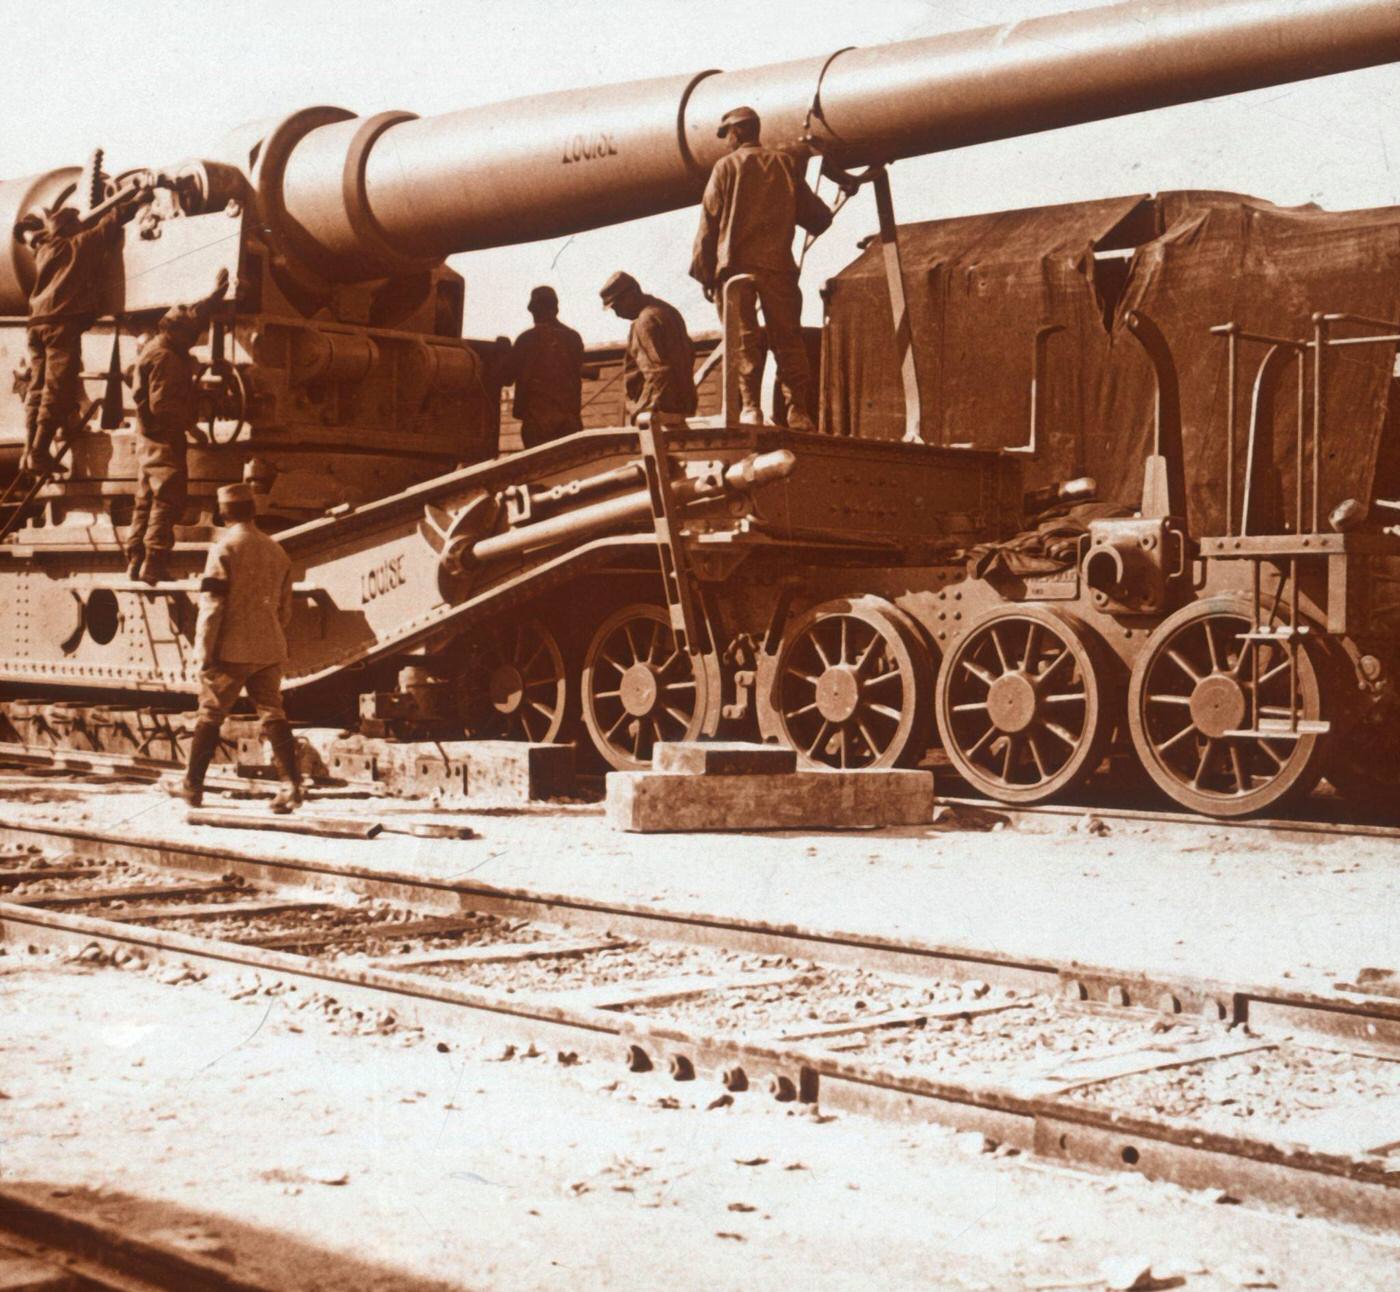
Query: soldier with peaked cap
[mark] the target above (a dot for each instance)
(546, 368)
(658, 368)
(755, 199)
(165, 391)
(241, 644)
(69, 256)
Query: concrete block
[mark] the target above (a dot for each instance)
(721, 758)
(656, 802)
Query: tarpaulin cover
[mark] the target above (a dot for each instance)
(979, 289)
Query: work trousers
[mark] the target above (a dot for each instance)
(162, 485)
(55, 384)
(222, 683)
(781, 300)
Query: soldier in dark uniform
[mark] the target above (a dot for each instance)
(546, 368)
(658, 370)
(241, 644)
(165, 391)
(69, 256)
(753, 202)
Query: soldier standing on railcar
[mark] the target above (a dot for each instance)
(165, 391)
(658, 369)
(546, 369)
(241, 644)
(70, 254)
(754, 201)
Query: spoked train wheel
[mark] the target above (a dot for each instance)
(853, 686)
(514, 683)
(1191, 705)
(1026, 704)
(639, 687)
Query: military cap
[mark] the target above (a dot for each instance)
(235, 493)
(734, 117)
(619, 285)
(543, 296)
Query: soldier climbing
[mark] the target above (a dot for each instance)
(70, 254)
(165, 390)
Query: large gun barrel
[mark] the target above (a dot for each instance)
(353, 198)
(362, 195)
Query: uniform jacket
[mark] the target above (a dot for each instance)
(247, 599)
(68, 271)
(658, 371)
(546, 367)
(753, 203)
(164, 389)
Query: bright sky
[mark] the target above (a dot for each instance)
(156, 81)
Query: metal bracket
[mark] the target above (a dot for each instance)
(879, 178)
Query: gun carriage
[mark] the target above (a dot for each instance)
(859, 599)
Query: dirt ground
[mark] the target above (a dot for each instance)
(332, 1152)
(462, 1170)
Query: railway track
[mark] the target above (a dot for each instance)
(46, 1246)
(1284, 1097)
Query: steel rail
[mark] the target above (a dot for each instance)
(1356, 1189)
(1372, 1020)
(1300, 829)
(94, 1254)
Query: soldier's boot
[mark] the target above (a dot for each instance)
(31, 433)
(135, 555)
(41, 460)
(203, 745)
(154, 566)
(795, 396)
(751, 415)
(284, 755)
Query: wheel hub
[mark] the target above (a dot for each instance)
(506, 688)
(639, 690)
(838, 693)
(1218, 705)
(1012, 702)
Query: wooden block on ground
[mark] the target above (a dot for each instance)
(513, 771)
(721, 758)
(488, 772)
(654, 802)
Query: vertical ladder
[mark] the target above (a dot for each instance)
(17, 502)
(689, 622)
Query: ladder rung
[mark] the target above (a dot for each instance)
(1282, 633)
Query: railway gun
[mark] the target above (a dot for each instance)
(861, 599)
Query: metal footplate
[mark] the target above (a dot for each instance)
(1282, 729)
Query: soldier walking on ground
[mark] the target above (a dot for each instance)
(69, 256)
(241, 644)
(753, 203)
(165, 391)
(546, 369)
(658, 369)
